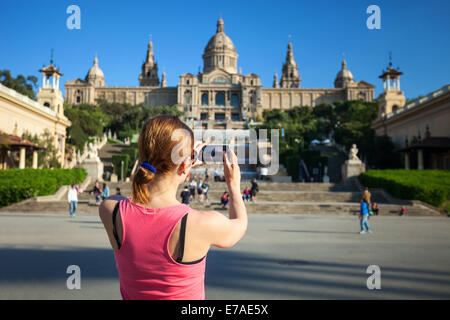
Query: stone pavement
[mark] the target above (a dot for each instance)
(281, 257)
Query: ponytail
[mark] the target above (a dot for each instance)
(155, 153)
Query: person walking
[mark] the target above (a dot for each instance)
(97, 192)
(254, 190)
(160, 245)
(72, 198)
(363, 217)
(105, 191)
(192, 187)
(185, 195)
(200, 189)
(205, 189)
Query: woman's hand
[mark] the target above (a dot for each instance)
(232, 171)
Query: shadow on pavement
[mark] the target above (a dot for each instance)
(232, 273)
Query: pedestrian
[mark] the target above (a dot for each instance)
(118, 192)
(254, 190)
(97, 192)
(105, 191)
(205, 189)
(246, 194)
(185, 195)
(264, 171)
(375, 208)
(72, 198)
(206, 174)
(200, 189)
(224, 199)
(192, 186)
(363, 217)
(161, 245)
(402, 211)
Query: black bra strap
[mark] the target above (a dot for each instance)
(116, 208)
(182, 236)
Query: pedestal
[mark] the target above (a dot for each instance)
(94, 168)
(352, 169)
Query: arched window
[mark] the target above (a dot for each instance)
(47, 104)
(235, 100)
(220, 99)
(205, 101)
(395, 109)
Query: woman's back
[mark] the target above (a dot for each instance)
(146, 268)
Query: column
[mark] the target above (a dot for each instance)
(22, 158)
(43, 80)
(420, 159)
(398, 83)
(35, 159)
(407, 165)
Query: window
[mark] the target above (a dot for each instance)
(205, 101)
(187, 81)
(187, 96)
(220, 99)
(219, 116)
(395, 109)
(204, 116)
(235, 117)
(47, 104)
(235, 100)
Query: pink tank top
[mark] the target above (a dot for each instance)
(146, 268)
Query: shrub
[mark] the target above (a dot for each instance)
(19, 184)
(430, 186)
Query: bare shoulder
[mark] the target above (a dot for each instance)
(107, 206)
(206, 218)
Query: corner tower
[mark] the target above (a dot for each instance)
(290, 77)
(149, 73)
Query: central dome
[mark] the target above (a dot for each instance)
(220, 52)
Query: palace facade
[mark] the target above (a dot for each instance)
(220, 96)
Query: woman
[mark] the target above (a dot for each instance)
(364, 216)
(160, 245)
(105, 191)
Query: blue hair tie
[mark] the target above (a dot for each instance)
(148, 166)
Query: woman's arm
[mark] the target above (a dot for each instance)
(219, 230)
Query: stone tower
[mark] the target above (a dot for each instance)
(290, 77)
(392, 99)
(49, 94)
(149, 73)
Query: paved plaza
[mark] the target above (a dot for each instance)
(281, 257)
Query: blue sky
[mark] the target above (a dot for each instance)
(417, 33)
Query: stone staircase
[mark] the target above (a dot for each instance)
(279, 197)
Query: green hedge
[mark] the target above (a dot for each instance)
(117, 161)
(430, 186)
(19, 184)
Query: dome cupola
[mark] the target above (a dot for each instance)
(220, 52)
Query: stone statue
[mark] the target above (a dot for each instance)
(92, 153)
(353, 155)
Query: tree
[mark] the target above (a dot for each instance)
(47, 158)
(25, 86)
